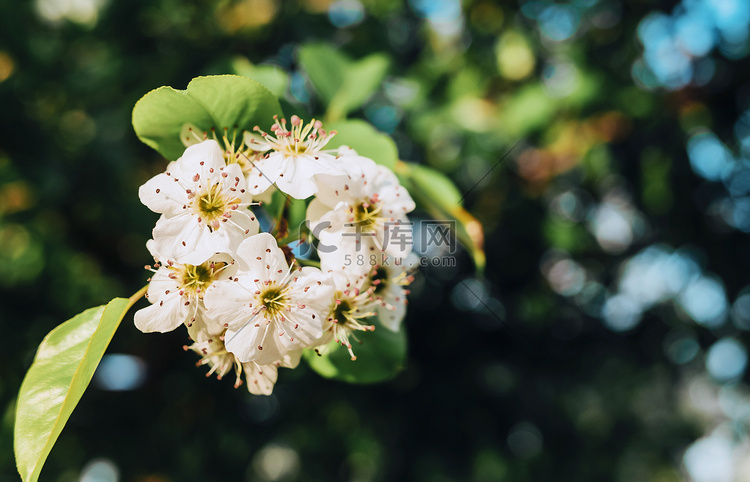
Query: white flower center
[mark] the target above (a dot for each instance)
(367, 214)
(274, 300)
(346, 317)
(211, 204)
(379, 281)
(214, 204)
(195, 279)
(214, 354)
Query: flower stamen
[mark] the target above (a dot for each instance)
(301, 139)
(346, 318)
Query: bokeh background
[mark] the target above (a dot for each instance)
(608, 337)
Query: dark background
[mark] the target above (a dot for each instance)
(606, 339)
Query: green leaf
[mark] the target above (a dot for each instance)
(436, 186)
(272, 77)
(297, 215)
(380, 357)
(343, 84)
(275, 208)
(212, 102)
(361, 80)
(61, 371)
(365, 139)
(325, 67)
(438, 195)
(528, 109)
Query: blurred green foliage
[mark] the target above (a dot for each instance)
(520, 374)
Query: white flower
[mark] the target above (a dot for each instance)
(366, 209)
(350, 305)
(260, 378)
(388, 282)
(268, 308)
(176, 292)
(295, 157)
(203, 204)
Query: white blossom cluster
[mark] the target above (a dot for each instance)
(247, 304)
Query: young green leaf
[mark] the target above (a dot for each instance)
(61, 371)
(211, 102)
(272, 77)
(436, 193)
(343, 84)
(365, 139)
(325, 67)
(361, 80)
(380, 356)
(435, 185)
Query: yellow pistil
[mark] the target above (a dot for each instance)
(346, 318)
(275, 300)
(196, 278)
(211, 205)
(366, 215)
(235, 151)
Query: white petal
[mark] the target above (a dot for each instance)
(241, 224)
(255, 341)
(179, 238)
(161, 285)
(314, 288)
(228, 303)
(204, 329)
(297, 179)
(333, 189)
(342, 250)
(262, 256)
(255, 142)
(356, 165)
(191, 134)
(338, 218)
(300, 329)
(234, 181)
(345, 151)
(347, 279)
(260, 378)
(400, 238)
(396, 201)
(325, 338)
(379, 175)
(208, 152)
(151, 247)
(163, 316)
(316, 210)
(291, 359)
(391, 316)
(265, 172)
(162, 194)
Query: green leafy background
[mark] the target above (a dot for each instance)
(513, 373)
